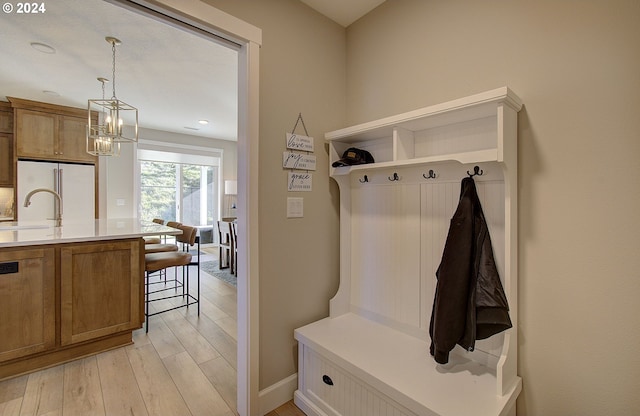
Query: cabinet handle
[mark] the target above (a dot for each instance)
(327, 380)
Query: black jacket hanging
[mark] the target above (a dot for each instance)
(469, 302)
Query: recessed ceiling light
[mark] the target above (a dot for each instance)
(41, 47)
(203, 122)
(51, 93)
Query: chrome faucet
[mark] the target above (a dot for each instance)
(27, 202)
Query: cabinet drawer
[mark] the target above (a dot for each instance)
(338, 392)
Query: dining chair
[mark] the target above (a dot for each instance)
(234, 242)
(225, 245)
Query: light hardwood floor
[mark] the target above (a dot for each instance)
(185, 365)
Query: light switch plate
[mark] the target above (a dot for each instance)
(295, 207)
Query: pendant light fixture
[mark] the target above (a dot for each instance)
(100, 144)
(113, 116)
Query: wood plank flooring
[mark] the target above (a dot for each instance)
(185, 365)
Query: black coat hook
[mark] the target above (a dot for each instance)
(432, 175)
(365, 179)
(476, 172)
(395, 177)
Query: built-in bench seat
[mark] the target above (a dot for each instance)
(390, 364)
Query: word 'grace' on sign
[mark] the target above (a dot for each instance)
(299, 182)
(292, 160)
(298, 142)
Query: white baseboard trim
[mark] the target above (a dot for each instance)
(277, 394)
(309, 408)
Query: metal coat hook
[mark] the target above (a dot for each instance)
(476, 172)
(365, 179)
(432, 175)
(395, 177)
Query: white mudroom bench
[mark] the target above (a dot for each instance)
(370, 357)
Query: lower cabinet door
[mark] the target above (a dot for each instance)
(101, 285)
(338, 392)
(27, 302)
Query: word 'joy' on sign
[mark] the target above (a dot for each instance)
(299, 182)
(292, 160)
(297, 142)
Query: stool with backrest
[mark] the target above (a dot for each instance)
(159, 261)
(154, 240)
(158, 247)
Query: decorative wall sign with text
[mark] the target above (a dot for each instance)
(299, 182)
(301, 161)
(298, 142)
(296, 160)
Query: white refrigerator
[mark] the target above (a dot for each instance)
(75, 184)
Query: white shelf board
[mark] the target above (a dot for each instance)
(463, 109)
(488, 155)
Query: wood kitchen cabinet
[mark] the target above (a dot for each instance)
(6, 117)
(50, 132)
(6, 144)
(6, 159)
(27, 302)
(59, 302)
(101, 289)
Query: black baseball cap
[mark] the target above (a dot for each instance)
(353, 156)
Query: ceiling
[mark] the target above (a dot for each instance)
(343, 12)
(175, 78)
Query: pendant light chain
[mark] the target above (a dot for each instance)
(113, 50)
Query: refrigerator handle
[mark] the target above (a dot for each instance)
(60, 191)
(57, 186)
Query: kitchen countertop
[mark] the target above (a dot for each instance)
(29, 233)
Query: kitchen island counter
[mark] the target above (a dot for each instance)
(71, 291)
(28, 233)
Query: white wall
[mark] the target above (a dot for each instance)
(576, 66)
(302, 70)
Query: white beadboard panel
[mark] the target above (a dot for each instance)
(348, 396)
(438, 203)
(466, 136)
(386, 251)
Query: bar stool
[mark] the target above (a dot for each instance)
(154, 240)
(158, 247)
(159, 261)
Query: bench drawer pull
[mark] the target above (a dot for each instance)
(327, 380)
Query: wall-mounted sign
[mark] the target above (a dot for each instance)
(299, 182)
(298, 142)
(302, 161)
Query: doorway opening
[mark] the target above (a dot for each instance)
(204, 20)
